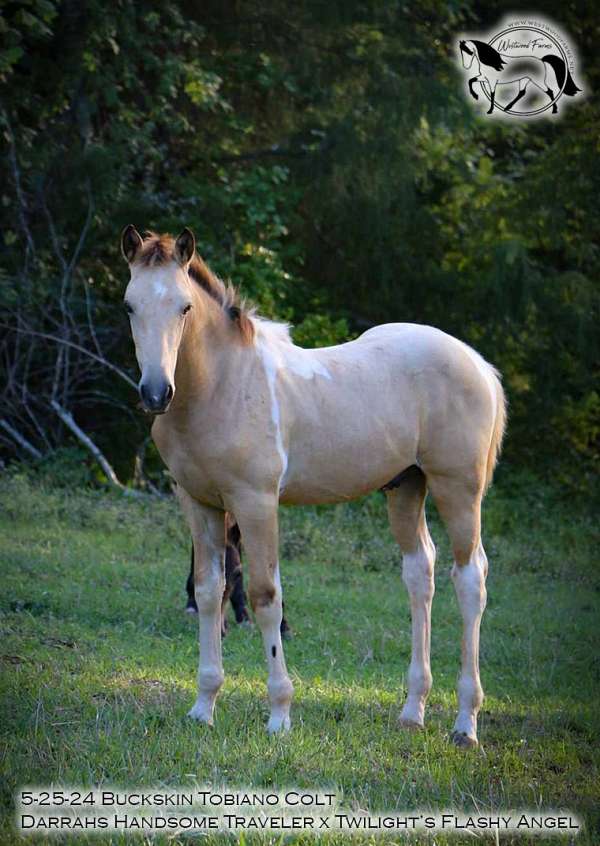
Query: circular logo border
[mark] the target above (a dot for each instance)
(564, 57)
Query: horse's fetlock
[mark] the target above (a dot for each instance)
(281, 691)
(471, 691)
(420, 681)
(210, 679)
(427, 683)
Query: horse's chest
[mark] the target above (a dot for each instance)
(186, 464)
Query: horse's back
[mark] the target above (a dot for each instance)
(459, 394)
(399, 394)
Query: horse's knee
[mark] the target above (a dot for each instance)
(262, 595)
(208, 593)
(417, 570)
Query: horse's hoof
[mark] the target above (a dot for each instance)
(463, 741)
(189, 609)
(489, 111)
(279, 725)
(198, 713)
(475, 96)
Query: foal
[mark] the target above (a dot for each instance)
(246, 420)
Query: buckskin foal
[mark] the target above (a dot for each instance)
(246, 420)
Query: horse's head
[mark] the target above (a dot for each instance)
(158, 297)
(467, 53)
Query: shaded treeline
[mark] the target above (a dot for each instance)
(328, 162)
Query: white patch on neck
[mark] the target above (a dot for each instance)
(287, 356)
(278, 353)
(270, 366)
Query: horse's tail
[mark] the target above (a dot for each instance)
(499, 427)
(561, 70)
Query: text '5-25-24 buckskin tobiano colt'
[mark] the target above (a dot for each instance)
(247, 420)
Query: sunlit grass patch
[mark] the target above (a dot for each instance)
(98, 660)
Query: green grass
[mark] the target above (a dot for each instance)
(98, 660)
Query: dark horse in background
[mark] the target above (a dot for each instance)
(234, 585)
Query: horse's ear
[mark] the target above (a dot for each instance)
(131, 243)
(185, 247)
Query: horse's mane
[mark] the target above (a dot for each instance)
(160, 249)
(488, 55)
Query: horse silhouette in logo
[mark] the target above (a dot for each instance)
(549, 74)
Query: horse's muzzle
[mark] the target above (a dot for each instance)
(156, 399)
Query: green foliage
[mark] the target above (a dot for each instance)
(329, 164)
(68, 467)
(523, 265)
(319, 330)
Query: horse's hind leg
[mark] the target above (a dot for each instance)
(492, 87)
(235, 580)
(406, 509)
(522, 92)
(550, 94)
(191, 607)
(459, 502)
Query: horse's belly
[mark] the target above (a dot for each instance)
(345, 471)
(324, 492)
(353, 434)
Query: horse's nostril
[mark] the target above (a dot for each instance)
(156, 399)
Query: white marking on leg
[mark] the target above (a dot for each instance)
(417, 573)
(279, 685)
(210, 668)
(469, 583)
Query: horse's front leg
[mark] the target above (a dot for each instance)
(208, 533)
(492, 90)
(474, 94)
(258, 524)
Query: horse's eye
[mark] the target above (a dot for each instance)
(128, 308)
(187, 308)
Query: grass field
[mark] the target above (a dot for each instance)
(98, 660)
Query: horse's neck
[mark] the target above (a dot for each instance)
(209, 360)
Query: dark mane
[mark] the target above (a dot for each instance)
(160, 249)
(463, 46)
(488, 55)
